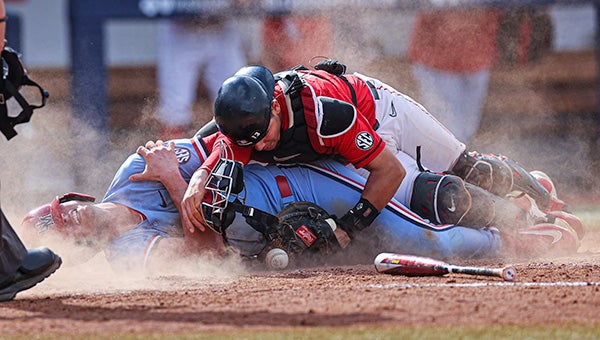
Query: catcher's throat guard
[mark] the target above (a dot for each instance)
(14, 77)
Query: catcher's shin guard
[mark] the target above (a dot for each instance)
(499, 175)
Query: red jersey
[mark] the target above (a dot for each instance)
(323, 115)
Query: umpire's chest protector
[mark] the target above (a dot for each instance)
(309, 120)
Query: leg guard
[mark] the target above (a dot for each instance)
(483, 209)
(500, 176)
(444, 199)
(497, 211)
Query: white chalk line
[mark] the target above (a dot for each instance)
(482, 284)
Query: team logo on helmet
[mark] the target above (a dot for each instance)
(183, 155)
(364, 140)
(243, 142)
(254, 137)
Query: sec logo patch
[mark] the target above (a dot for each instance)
(183, 155)
(364, 140)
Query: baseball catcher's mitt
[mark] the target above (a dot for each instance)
(304, 233)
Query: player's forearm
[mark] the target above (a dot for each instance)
(385, 175)
(192, 201)
(176, 186)
(381, 186)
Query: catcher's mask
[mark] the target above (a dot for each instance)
(13, 78)
(225, 181)
(224, 184)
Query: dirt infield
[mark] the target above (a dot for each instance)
(86, 300)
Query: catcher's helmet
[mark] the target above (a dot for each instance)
(243, 105)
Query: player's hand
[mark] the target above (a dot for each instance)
(161, 162)
(191, 217)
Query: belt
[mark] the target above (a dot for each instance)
(285, 191)
(284, 187)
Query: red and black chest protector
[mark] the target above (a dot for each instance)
(295, 142)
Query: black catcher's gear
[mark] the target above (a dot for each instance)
(13, 78)
(332, 66)
(207, 130)
(243, 106)
(447, 199)
(440, 198)
(500, 175)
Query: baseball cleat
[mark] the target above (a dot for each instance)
(563, 217)
(540, 240)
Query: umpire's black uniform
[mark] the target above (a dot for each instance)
(12, 250)
(21, 268)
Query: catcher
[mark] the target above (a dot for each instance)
(302, 115)
(251, 213)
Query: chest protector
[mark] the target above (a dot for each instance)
(295, 143)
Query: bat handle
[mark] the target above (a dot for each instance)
(507, 273)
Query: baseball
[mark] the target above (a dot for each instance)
(277, 259)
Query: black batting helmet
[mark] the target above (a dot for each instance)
(243, 105)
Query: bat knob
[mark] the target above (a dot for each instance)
(509, 273)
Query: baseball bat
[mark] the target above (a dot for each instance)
(408, 265)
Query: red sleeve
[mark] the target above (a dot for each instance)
(214, 146)
(359, 145)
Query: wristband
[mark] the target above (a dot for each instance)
(4, 19)
(359, 217)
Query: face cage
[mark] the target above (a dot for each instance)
(223, 187)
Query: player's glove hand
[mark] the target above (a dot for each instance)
(304, 233)
(358, 218)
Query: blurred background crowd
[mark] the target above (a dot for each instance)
(514, 80)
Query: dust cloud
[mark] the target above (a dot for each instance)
(96, 276)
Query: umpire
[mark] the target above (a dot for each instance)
(20, 268)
